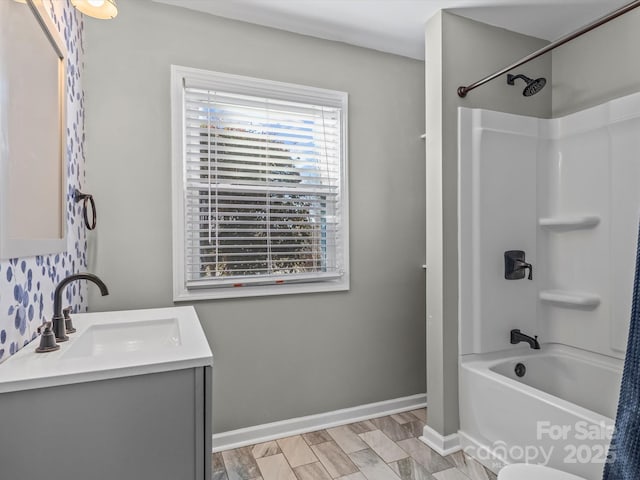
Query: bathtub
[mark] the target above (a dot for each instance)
(560, 413)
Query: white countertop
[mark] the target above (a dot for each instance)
(76, 362)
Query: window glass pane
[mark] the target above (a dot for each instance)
(262, 195)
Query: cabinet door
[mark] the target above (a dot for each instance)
(132, 428)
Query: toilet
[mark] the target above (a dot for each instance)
(523, 471)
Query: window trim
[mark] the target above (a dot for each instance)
(192, 77)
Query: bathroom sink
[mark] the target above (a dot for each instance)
(109, 345)
(124, 338)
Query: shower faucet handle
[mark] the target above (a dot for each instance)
(515, 265)
(521, 265)
(530, 267)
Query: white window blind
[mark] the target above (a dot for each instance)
(263, 189)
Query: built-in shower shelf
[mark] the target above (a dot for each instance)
(569, 223)
(569, 298)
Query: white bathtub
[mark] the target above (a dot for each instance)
(560, 413)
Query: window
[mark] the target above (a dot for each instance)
(260, 201)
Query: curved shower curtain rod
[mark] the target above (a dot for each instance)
(462, 91)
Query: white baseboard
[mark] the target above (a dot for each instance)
(444, 445)
(296, 426)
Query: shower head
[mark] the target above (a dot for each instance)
(533, 86)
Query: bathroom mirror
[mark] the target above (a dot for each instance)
(32, 131)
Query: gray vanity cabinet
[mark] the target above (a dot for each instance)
(145, 427)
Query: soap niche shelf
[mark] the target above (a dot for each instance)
(570, 299)
(575, 222)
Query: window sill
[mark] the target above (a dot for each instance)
(196, 294)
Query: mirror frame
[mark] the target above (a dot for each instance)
(11, 247)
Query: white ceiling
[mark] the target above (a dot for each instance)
(397, 26)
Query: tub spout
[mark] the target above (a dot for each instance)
(517, 336)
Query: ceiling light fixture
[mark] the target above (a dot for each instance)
(103, 9)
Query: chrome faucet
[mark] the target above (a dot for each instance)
(517, 336)
(58, 319)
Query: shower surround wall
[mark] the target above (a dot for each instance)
(593, 168)
(565, 191)
(27, 284)
(497, 212)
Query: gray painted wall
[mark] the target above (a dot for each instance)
(287, 356)
(597, 67)
(460, 51)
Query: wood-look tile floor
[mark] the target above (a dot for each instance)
(385, 448)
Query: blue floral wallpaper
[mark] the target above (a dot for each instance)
(27, 284)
